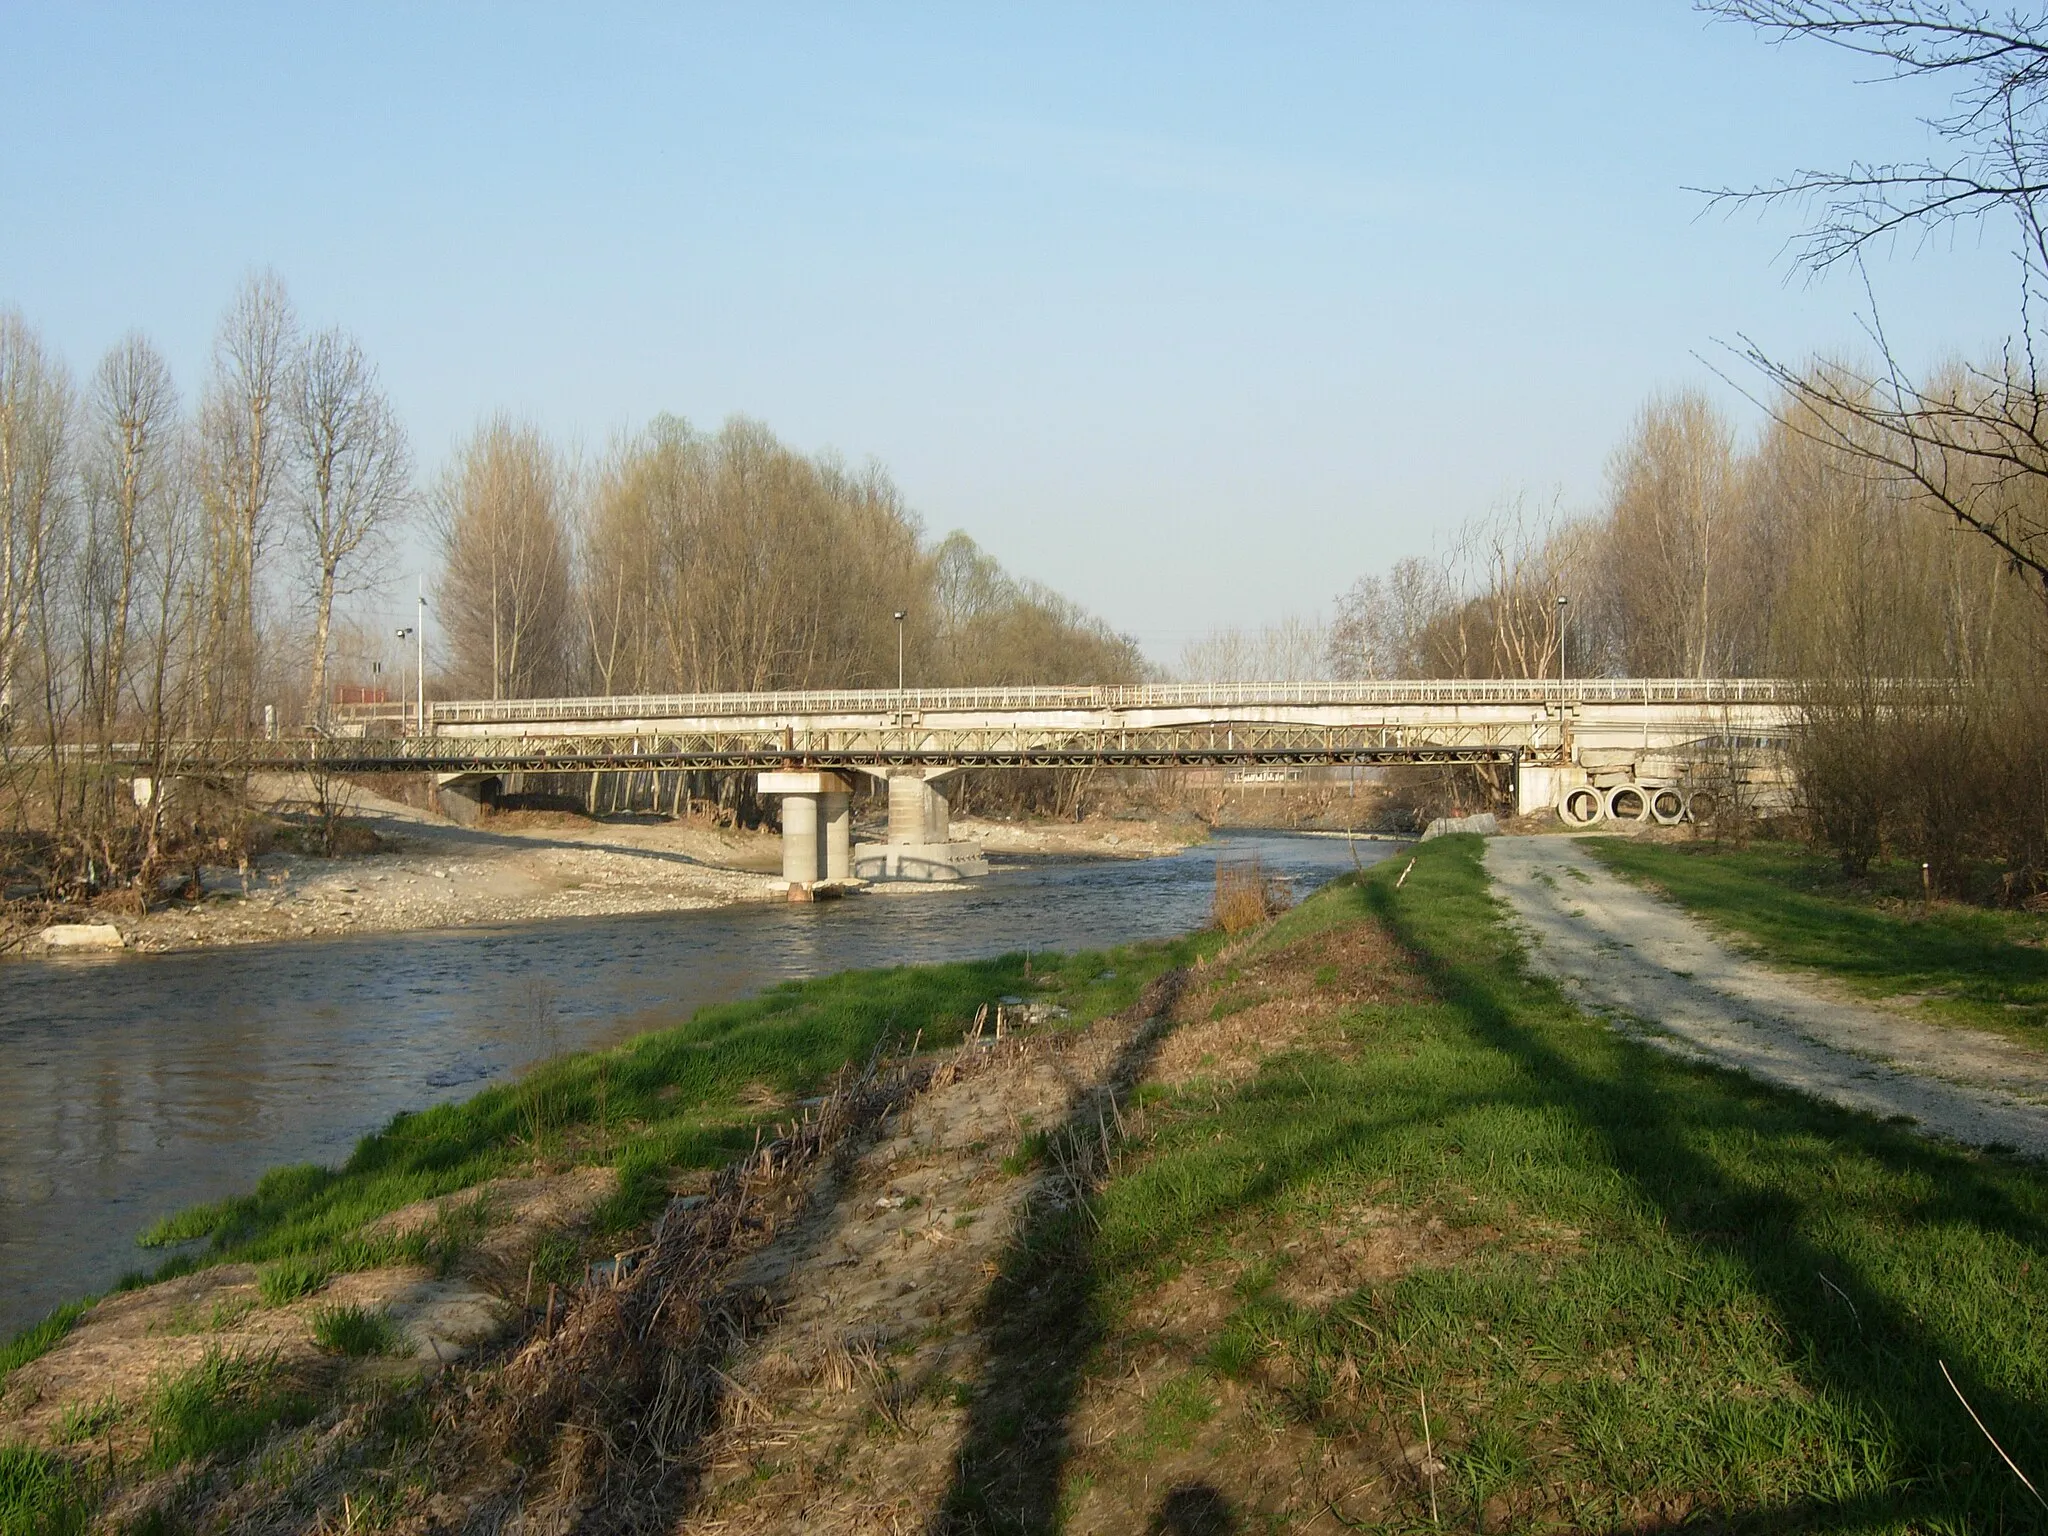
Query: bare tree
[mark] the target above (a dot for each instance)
(1676, 503)
(1975, 444)
(502, 518)
(242, 431)
(35, 428)
(1381, 620)
(133, 464)
(1294, 650)
(354, 474)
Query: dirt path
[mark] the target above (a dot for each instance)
(1637, 958)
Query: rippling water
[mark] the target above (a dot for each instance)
(133, 1086)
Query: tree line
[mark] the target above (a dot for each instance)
(178, 576)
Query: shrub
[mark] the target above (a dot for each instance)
(1246, 896)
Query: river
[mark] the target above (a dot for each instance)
(132, 1086)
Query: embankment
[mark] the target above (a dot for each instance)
(1349, 1217)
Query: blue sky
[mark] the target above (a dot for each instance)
(1194, 312)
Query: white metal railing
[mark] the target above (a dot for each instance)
(884, 701)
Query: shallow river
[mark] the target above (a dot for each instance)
(133, 1086)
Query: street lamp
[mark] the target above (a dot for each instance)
(1563, 616)
(406, 633)
(901, 615)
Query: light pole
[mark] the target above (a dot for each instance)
(1563, 617)
(420, 639)
(403, 634)
(901, 615)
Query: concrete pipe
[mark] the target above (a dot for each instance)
(1582, 807)
(1625, 802)
(1667, 807)
(1701, 805)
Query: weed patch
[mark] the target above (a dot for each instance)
(225, 1404)
(355, 1331)
(39, 1494)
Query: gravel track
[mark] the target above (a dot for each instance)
(1659, 973)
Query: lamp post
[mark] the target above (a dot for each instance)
(901, 615)
(403, 634)
(1563, 616)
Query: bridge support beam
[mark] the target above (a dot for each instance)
(817, 826)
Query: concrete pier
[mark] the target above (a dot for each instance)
(817, 826)
(920, 843)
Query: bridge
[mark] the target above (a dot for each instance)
(1593, 749)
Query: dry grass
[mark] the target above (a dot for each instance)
(1246, 895)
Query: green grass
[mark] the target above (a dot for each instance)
(1974, 965)
(39, 1494)
(672, 1100)
(1663, 1291)
(225, 1404)
(289, 1279)
(354, 1331)
(39, 1339)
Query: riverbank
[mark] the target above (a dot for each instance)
(521, 867)
(1349, 1219)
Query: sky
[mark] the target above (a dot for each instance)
(1194, 312)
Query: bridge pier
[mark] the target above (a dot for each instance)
(817, 826)
(920, 842)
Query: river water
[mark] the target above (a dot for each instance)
(133, 1086)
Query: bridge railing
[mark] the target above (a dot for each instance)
(887, 701)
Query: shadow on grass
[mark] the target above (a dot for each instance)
(1931, 1467)
(1042, 1318)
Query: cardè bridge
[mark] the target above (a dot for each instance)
(1592, 750)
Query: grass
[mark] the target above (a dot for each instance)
(354, 1331)
(39, 1338)
(673, 1100)
(289, 1279)
(39, 1494)
(1640, 1292)
(225, 1404)
(1971, 965)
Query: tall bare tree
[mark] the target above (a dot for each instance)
(243, 434)
(501, 513)
(35, 441)
(1672, 524)
(353, 481)
(133, 460)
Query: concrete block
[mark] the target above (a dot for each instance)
(1486, 824)
(83, 936)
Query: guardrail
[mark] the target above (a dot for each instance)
(885, 701)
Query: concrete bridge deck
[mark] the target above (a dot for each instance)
(1592, 748)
